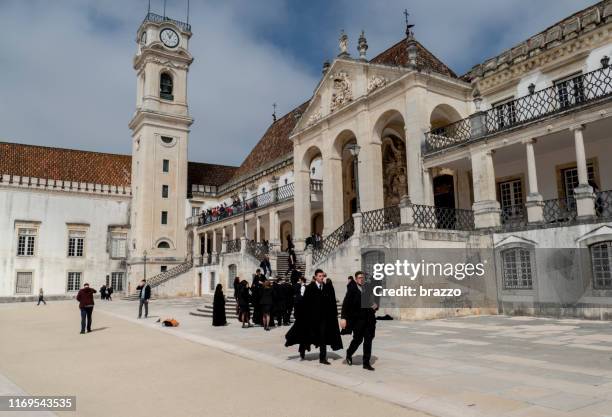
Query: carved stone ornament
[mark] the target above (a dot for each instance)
(165, 62)
(314, 118)
(376, 82)
(342, 90)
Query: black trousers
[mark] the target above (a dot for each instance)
(86, 313)
(41, 300)
(363, 332)
(144, 303)
(322, 344)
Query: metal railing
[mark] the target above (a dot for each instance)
(382, 219)
(285, 192)
(513, 217)
(580, 90)
(431, 217)
(154, 17)
(257, 249)
(560, 210)
(335, 239)
(232, 246)
(603, 204)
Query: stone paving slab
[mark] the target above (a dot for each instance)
(447, 367)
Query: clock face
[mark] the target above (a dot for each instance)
(169, 38)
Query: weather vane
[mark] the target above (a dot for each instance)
(408, 26)
(274, 112)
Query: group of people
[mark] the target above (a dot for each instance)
(106, 292)
(226, 210)
(314, 309)
(315, 240)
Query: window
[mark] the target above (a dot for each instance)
(164, 217)
(117, 281)
(511, 198)
(163, 245)
(164, 191)
(74, 281)
(23, 284)
(166, 165)
(163, 268)
(516, 269)
(165, 86)
(26, 241)
(570, 90)
(601, 262)
(167, 140)
(195, 211)
(119, 245)
(569, 177)
(212, 281)
(76, 243)
(505, 113)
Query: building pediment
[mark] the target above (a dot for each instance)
(515, 240)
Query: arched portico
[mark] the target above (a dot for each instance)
(302, 207)
(392, 158)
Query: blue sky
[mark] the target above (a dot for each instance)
(67, 77)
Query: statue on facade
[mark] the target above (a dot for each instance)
(395, 181)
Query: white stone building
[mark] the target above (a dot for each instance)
(394, 151)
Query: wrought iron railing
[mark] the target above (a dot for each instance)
(431, 217)
(513, 217)
(560, 210)
(603, 204)
(257, 249)
(335, 239)
(316, 186)
(575, 92)
(285, 192)
(232, 246)
(170, 273)
(154, 17)
(382, 219)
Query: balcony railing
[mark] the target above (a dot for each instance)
(560, 210)
(257, 249)
(578, 91)
(431, 217)
(603, 204)
(232, 246)
(316, 186)
(153, 17)
(382, 219)
(335, 239)
(513, 217)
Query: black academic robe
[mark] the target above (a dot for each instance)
(219, 318)
(318, 311)
(358, 318)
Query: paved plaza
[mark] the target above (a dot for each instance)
(474, 366)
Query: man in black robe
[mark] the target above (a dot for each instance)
(279, 307)
(359, 317)
(256, 292)
(318, 323)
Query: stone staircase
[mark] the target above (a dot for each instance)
(163, 277)
(282, 264)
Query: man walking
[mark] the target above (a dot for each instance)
(41, 297)
(86, 304)
(359, 320)
(143, 297)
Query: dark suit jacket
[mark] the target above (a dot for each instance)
(147, 290)
(355, 315)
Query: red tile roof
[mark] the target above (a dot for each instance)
(397, 55)
(274, 144)
(64, 164)
(91, 167)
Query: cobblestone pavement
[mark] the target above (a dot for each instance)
(481, 366)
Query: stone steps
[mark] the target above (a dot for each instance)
(230, 309)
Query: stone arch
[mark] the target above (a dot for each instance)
(342, 139)
(389, 129)
(443, 115)
(164, 243)
(286, 229)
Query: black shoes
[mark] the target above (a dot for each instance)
(349, 360)
(82, 332)
(302, 355)
(367, 367)
(324, 362)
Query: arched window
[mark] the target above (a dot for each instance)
(601, 262)
(516, 269)
(166, 86)
(163, 245)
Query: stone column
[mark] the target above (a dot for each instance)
(583, 193)
(301, 205)
(428, 194)
(234, 231)
(416, 123)
(534, 203)
(275, 239)
(206, 243)
(257, 229)
(486, 207)
(371, 196)
(406, 213)
(333, 210)
(214, 245)
(223, 240)
(246, 229)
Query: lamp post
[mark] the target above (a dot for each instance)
(145, 264)
(243, 193)
(354, 150)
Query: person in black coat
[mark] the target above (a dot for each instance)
(289, 300)
(244, 298)
(219, 318)
(266, 266)
(317, 323)
(266, 302)
(103, 292)
(236, 293)
(256, 292)
(358, 320)
(109, 293)
(278, 295)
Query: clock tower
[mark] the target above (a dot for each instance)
(160, 130)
